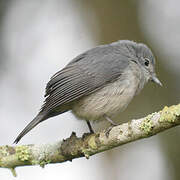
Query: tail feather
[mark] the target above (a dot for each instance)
(39, 118)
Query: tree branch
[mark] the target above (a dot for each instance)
(89, 144)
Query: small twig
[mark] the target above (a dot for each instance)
(13, 172)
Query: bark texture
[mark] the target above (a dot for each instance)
(89, 144)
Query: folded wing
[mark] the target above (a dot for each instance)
(83, 75)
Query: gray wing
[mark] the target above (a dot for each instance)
(83, 75)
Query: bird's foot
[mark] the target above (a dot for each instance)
(113, 124)
(107, 131)
(90, 127)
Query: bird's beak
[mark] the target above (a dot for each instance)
(156, 80)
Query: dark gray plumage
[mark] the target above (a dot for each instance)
(86, 78)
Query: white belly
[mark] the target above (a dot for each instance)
(110, 100)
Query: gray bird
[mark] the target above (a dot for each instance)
(98, 84)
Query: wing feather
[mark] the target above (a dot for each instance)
(85, 74)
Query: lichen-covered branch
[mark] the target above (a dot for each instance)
(89, 144)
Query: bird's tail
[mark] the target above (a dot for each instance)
(39, 118)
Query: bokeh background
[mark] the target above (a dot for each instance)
(38, 38)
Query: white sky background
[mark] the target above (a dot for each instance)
(160, 21)
(39, 39)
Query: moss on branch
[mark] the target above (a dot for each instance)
(89, 144)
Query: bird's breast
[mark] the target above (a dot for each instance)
(110, 100)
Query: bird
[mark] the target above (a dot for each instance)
(98, 84)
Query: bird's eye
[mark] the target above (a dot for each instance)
(146, 63)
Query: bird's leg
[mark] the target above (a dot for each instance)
(110, 127)
(90, 127)
(110, 120)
